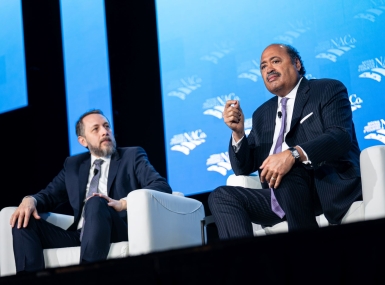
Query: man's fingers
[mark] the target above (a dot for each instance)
(13, 218)
(263, 175)
(20, 220)
(273, 179)
(26, 219)
(36, 215)
(278, 181)
(231, 103)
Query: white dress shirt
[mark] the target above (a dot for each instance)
(278, 122)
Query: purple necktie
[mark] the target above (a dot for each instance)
(276, 208)
(93, 187)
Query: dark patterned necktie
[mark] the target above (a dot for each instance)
(275, 207)
(93, 187)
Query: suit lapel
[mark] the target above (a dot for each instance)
(300, 101)
(267, 127)
(114, 166)
(269, 119)
(84, 172)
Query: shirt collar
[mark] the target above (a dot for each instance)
(293, 93)
(105, 158)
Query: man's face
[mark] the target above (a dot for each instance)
(98, 136)
(279, 73)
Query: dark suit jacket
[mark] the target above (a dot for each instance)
(129, 170)
(327, 136)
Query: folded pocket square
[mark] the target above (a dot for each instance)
(305, 118)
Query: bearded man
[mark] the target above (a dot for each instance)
(96, 184)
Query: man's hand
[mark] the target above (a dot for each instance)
(118, 205)
(234, 119)
(275, 167)
(23, 213)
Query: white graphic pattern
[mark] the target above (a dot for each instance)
(252, 73)
(215, 106)
(337, 47)
(297, 29)
(220, 51)
(310, 76)
(219, 163)
(376, 66)
(376, 130)
(188, 85)
(186, 142)
(355, 102)
(370, 14)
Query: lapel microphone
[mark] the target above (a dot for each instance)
(279, 114)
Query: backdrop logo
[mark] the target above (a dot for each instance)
(296, 30)
(248, 126)
(372, 14)
(373, 69)
(215, 106)
(186, 142)
(220, 51)
(375, 130)
(336, 47)
(252, 70)
(186, 86)
(355, 102)
(219, 163)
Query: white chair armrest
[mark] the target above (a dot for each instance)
(246, 181)
(160, 221)
(372, 162)
(7, 263)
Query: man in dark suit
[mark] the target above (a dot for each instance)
(99, 205)
(317, 170)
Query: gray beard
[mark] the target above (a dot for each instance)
(103, 152)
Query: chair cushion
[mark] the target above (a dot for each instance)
(55, 257)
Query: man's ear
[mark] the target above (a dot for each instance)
(298, 64)
(82, 141)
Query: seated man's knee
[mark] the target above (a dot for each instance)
(95, 204)
(31, 225)
(219, 194)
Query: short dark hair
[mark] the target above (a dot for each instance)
(294, 54)
(80, 125)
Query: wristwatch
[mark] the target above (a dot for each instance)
(295, 154)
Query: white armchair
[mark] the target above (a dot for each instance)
(372, 163)
(156, 221)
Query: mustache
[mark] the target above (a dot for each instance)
(273, 72)
(105, 139)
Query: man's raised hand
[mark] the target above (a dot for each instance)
(234, 119)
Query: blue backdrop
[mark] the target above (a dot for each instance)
(210, 52)
(13, 82)
(85, 53)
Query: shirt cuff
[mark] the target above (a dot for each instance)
(236, 145)
(307, 161)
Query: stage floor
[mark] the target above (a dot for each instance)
(347, 254)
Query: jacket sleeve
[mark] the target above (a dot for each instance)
(54, 194)
(243, 161)
(147, 176)
(336, 116)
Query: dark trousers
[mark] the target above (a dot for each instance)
(235, 208)
(103, 226)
